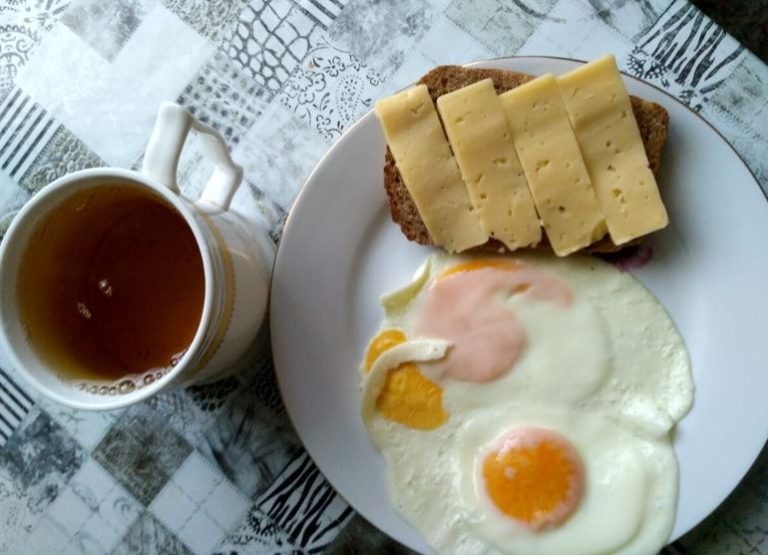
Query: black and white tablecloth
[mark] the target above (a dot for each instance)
(218, 468)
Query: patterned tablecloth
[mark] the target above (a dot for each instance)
(219, 468)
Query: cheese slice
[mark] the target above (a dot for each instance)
(429, 170)
(601, 114)
(556, 175)
(482, 144)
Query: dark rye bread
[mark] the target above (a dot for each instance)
(652, 119)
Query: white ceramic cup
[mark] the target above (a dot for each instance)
(237, 261)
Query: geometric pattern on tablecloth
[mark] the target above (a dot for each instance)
(198, 504)
(14, 406)
(62, 154)
(257, 534)
(213, 19)
(304, 505)
(211, 397)
(300, 512)
(149, 536)
(142, 452)
(331, 90)
(36, 463)
(179, 412)
(270, 40)
(22, 24)
(224, 97)
(41, 452)
(685, 53)
(94, 510)
(25, 129)
(16, 43)
(323, 12)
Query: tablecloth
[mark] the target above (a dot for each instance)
(218, 468)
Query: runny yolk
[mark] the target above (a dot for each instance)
(407, 397)
(535, 476)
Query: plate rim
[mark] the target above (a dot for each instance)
(301, 196)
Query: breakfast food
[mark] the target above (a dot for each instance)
(553, 166)
(524, 405)
(414, 132)
(650, 122)
(601, 115)
(477, 128)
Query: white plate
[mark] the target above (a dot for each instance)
(340, 251)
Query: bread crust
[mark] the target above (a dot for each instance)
(652, 119)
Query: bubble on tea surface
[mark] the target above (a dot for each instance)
(83, 311)
(177, 357)
(126, 386)
(105, 287)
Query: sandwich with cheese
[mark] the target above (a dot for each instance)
(486, 159)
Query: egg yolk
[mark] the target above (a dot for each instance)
(412, 400)
(382, 342)
(535, 476)
(407, 397)
(499, 264)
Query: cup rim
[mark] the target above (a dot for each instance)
(21, 222)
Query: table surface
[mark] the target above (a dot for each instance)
(218, 468)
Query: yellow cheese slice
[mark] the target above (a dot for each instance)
(554, 169)
(429, 171)
(601, 115)
(482, 144)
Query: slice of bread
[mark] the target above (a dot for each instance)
(652, 119)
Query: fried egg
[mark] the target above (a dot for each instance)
(523, 405)
(532, 479)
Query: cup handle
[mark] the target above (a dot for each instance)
(161, 159)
